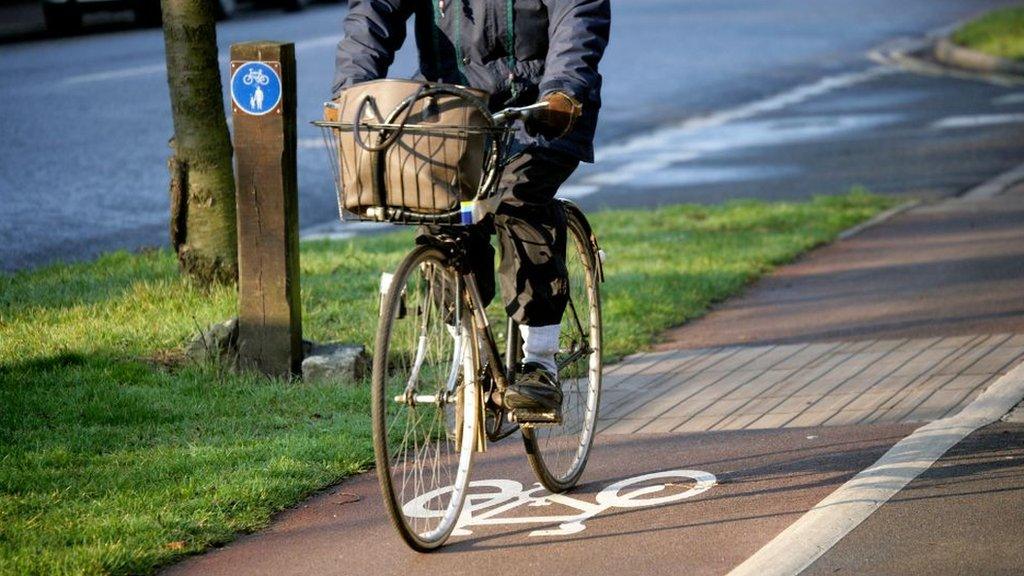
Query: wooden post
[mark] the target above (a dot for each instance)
(263, 111)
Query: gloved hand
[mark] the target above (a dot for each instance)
(557, 119)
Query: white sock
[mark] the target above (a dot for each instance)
(540, 344)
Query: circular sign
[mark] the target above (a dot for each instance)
(256, 88)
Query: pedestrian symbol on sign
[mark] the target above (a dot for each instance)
(256, 102)
(255, 88)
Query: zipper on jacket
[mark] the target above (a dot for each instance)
(510, 41)
(510, 46)
(435, 34)
(458, 43)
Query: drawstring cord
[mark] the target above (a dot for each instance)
(510, 41)
(510, 47)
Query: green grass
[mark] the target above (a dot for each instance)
(115, 459)
(999, 33)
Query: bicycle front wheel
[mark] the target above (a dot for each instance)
(558, 454)
(425, 399)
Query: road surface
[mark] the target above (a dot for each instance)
(86, 119)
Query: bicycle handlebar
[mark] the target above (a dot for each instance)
(509, 114)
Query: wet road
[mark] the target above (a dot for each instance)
(85, 121)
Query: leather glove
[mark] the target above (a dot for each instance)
(557, 119)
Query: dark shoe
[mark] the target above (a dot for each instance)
(535, 393)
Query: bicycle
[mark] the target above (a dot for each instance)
(438, 376)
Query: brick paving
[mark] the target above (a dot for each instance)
(795, 385)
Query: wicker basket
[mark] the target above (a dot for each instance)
(410, 152)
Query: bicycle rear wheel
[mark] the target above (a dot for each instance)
(425, 406)
(558, 454)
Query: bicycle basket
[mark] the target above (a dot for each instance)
(409, 152)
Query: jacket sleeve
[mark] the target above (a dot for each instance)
(374, 31)
(578, 34)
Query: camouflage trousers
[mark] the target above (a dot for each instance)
(531, 229)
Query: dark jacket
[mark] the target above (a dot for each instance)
(516, 50)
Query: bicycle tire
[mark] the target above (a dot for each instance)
(424, 465)
(558, 454)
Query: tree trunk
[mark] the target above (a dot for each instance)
(202, 189)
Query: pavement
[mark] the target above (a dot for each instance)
(944, 269)
(761, 423)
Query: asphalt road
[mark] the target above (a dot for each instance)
(956, 518)
(85, 121)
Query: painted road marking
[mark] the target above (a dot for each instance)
(161, 67)
(1010, 99)
(118, 74)
(657, 150)
(337, 230)
(817, 531)
(646, 160)
(491, 498)
(311, 143)
(976, 121)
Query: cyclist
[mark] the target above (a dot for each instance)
(518, 51)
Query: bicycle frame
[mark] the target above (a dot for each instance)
(499, 370)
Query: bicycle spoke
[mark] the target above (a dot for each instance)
(560, 452)
(416, 424)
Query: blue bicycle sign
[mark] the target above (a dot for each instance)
(255, 88)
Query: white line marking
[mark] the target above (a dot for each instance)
(571, 191)
(791, 97)
(995, 186)
(659, 149)
(497, 496)
(814, 533)
(311, 143)
(144, 70)
(336, 230)
(976, 121)
(318, 42)
(118, 74)
(1009, 99)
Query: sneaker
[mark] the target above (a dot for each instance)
(535, 390)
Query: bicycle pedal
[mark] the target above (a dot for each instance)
(532, 418)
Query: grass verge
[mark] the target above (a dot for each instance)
(998, 33)
(113, 460)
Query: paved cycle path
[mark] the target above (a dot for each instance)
(765, 480)
(744, 423)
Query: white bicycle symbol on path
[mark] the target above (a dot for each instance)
(497, 496)
(255, 76)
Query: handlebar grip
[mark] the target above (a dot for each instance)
(509, 114)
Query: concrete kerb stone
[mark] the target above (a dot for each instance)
(917, 56)
(948, 53)
(996, 185)
(1015, 416)
(877, 219)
